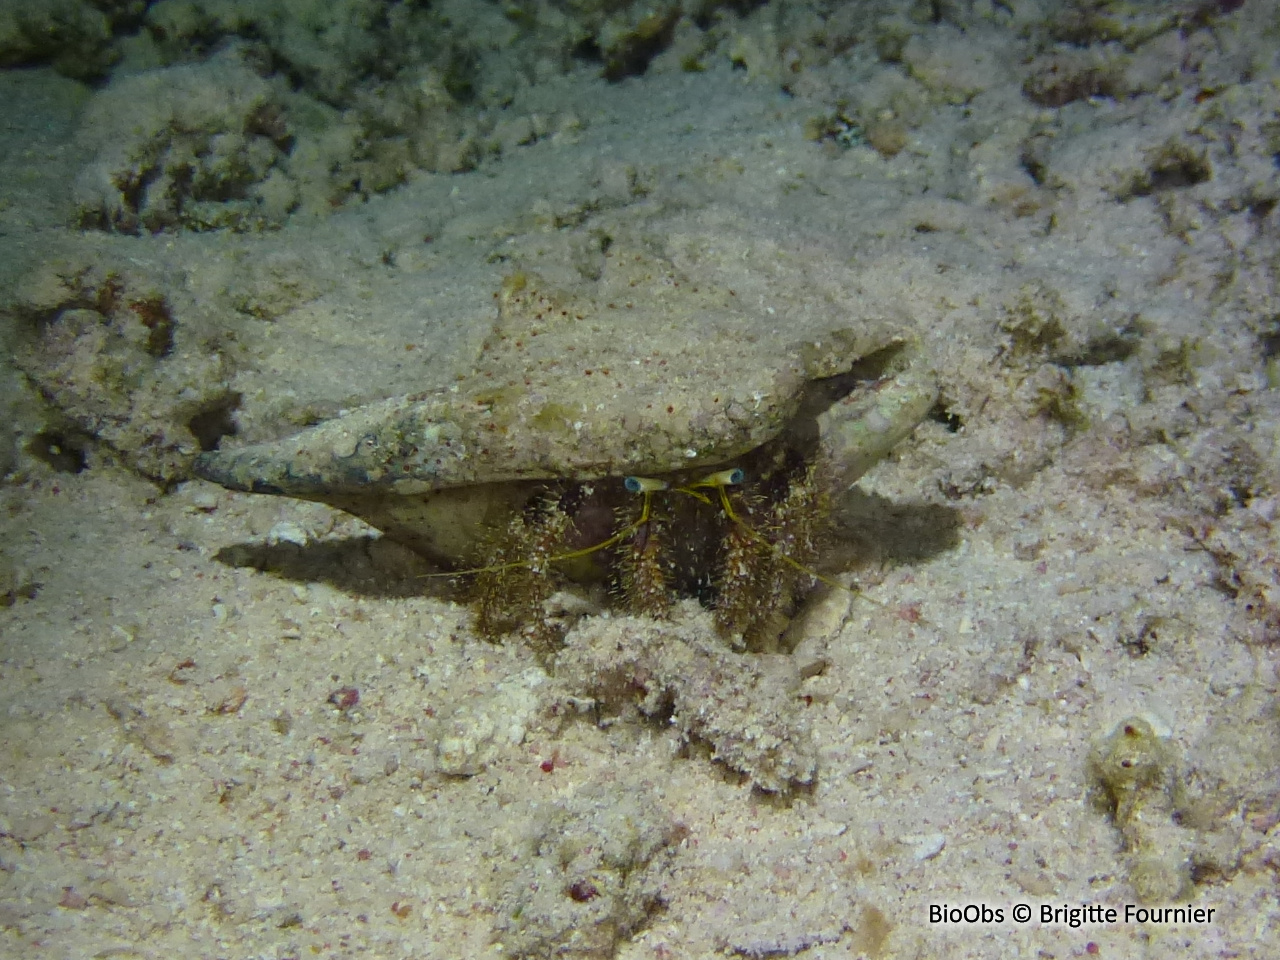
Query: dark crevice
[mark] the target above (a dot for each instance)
(214, 422)
(1034, 165)
(632, 57)
(940, 414)
(587, 49)
(64, 451)
(1270, 340)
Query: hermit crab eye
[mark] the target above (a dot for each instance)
(644, 484)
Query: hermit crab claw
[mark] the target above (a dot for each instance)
(858, 430)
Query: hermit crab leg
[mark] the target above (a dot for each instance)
(645, 486)
(720, 481)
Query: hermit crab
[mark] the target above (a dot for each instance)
(651, 433)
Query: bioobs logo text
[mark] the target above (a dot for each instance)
(971, 913)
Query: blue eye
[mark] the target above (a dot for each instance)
(736, 475)
(633, 484)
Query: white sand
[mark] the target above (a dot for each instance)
(1093, 541)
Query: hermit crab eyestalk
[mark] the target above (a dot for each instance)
(722, 478)
(644, 484)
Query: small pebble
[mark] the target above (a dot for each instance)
(286, 531)
(926, 847)
(205, 501)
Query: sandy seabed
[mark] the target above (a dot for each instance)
(227, 719)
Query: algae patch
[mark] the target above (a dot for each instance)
(1136, 775)
(587, 874)
(745, 707)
